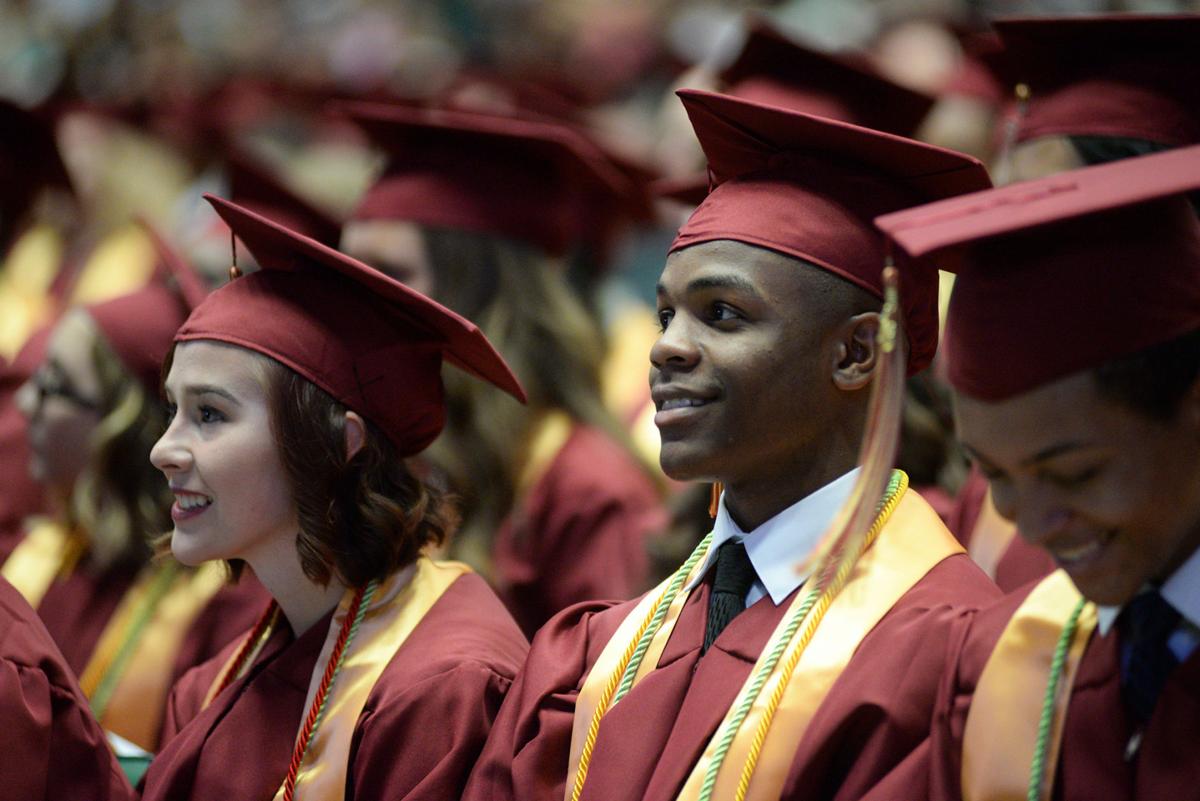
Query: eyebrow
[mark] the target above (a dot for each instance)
(1054, 450)
(735, 282)
(209, 389)
(1041, 456)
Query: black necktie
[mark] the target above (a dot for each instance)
(733, 579)
(1146, 661)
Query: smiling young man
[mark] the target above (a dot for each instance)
(1073, 343)
(769, 304)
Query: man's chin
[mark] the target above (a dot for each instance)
(680, 465)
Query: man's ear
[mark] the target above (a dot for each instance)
(355, 432)
(855, 351)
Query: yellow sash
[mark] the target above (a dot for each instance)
(25, 279)
(40, 557)
(1002, 723)
(398, 606)
(991, 537)
(912, 541)
(144, 680)
(549, 435)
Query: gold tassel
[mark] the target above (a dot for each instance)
(714, 502)
(234, 271)
(880, 442)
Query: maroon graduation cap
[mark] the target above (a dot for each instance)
(369, 341)
(529, 180)
(141, 325)
(1120, 75)
(1063, 273)
(810, 187)
(775, 69)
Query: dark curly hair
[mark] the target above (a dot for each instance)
(360, 519)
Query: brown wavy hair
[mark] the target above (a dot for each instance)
(360, 519)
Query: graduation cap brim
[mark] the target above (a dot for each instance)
(1034, 204)
(740, 137)
(869, 97)
(400, 129)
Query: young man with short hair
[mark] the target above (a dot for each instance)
(769, 304)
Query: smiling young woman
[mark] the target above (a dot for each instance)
(298, 393)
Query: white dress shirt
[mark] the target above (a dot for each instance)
(780, 545)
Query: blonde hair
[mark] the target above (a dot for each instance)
(120, 500)
(522, 303)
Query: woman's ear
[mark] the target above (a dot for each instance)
(856, 352)
(355, 431)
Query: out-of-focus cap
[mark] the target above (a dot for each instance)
(254, 186)
(1063, 273)
(527, 180)
(29, 160)
(809, 188)
(369, 341)
(141, 325)
(1119, 75)
(777, 70)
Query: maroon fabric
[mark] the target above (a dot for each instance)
(809, 188)
(579, 534)
(141, 326)
(1092, 764)
(255, 187)
(968, 504)
(863, 736)
(1021, 564)
(369, 341)
(77, 609)
(1119, 75)
(774, 69)
(525, 179)
(1062, 273)
(422, 728)
(21, 496)
(52, 746)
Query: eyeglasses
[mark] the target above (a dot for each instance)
(50, 382)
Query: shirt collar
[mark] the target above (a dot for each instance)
(1181, 590)
(778, 546)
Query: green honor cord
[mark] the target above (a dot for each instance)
(1037, 770)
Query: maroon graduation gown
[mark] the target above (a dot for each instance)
(1092, 765)
(864, 734)
(580, 532)
(420, 732)
(77, 609)
(50, 745)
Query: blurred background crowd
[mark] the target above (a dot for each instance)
(117, 116)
